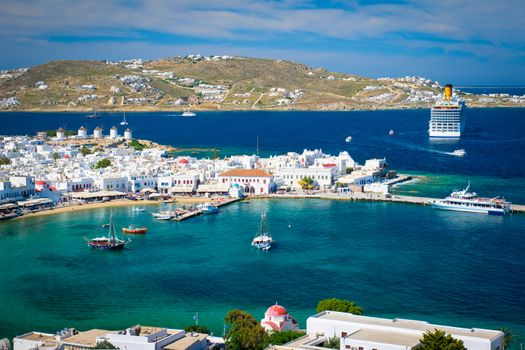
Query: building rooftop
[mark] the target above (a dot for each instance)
(422, 326)
(87, 338)
(186, 342)
(387, 337)
(246, 173)
(36, 336)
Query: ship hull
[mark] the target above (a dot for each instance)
(486, 211)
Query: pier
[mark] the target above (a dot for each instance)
(198, 212)
(374, 197)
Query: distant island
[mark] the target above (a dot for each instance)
(214, 83)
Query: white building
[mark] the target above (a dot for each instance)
(17, 188)
(97, 133)
(113, 132)
(138, 182)
(112, 183)
(178, 183)
(128, 135)
(322, 176)
(82, 133)
(369, 333)
(254, 181)
(61, 134)
(277, 319)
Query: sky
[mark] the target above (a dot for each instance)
(466, 42)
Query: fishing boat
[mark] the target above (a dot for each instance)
(133, 230)
(189, 114)
(263, 240)
(124, 122)
(108, 243)
(164, 215)
(470, 202)
(348, 139)
(459, 153)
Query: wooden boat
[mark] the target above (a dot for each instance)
(108, 243)
(132, 230)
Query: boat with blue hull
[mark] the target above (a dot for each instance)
(470, 202)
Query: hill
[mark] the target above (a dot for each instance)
(215, 83)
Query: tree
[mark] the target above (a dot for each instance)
(507, 337)
(332, 343)
(105, 345)
(349, 170)
(245, 332)
(215, 154)
(283, 337)
(306, 183)
(136, 145)
(85, 151)
(103, 163)
(4, 160)
(341, 305)
(197, 329)
(439, 340)
(55, 156)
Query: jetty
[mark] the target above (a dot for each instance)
(375, 197)
(198, 212)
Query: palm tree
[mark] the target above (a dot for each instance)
(507, 337)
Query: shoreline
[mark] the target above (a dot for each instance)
(110, 204)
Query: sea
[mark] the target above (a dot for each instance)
(395, 260)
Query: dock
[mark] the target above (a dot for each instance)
(198, 212)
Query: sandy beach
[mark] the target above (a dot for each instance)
(114, 203)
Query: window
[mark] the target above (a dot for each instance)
(343, 334)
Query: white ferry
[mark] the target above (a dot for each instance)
(447, 116)
(470, 202)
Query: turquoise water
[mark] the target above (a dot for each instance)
(395, 260)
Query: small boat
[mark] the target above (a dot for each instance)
(348, 139)
(139, 209)
(108, 243)
(164, 217)
(391, 132)
(93, 115)
(189, 114)
(133, 230)
(124, 122)
(105, 225)
(459, 152)
(263, 240)
(209, 209)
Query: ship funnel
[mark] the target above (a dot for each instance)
(448, 92)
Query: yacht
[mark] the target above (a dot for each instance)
(470, 202)
(348, 139)
(94, 115)
(391, 132)
(188, 114)
(447, 116)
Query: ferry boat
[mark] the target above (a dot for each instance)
(447, 116)
(470, 202)
(133, 230)
(263, 240)
(108, 243)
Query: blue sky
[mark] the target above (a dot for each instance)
(464, 42)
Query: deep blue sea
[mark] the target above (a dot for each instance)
(511, 90)
(494, 140)
(395, 260)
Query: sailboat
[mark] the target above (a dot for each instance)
(108, 243)
(94, 115)
(263, 240)
(124, 122)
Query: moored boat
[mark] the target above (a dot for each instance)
(209, 209)
(263, 240)
(112, 242)
(470, 202)
(133, 230)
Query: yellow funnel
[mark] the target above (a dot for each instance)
(448, 92)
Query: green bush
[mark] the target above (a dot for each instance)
(103, 163)
(340, 305)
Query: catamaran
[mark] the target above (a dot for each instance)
(470, 202)
(263, 240)
(108, 243)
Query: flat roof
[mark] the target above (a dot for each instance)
(87, 338)
(148, 330)
(422, 326)
(387, 337)
(187, 341)
(36, 336)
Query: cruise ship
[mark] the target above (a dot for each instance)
(470, 202)
(446, 117)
